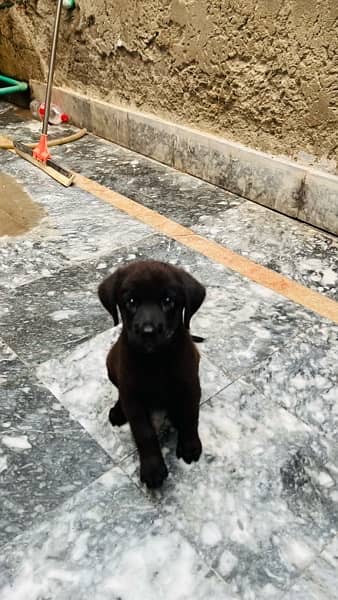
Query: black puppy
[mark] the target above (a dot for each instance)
(154, 363)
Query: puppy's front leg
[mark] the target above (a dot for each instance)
(189, 445)
(153, 469)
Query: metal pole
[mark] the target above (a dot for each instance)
(51, 67)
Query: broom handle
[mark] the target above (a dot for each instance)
(51, 67)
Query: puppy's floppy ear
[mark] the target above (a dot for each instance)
(107, 293)
(194, 295)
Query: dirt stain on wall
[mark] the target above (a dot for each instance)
(18, 212)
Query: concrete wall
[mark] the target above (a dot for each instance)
(260, 72)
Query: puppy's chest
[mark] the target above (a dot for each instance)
(156, 386)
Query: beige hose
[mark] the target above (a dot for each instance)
(7, 144)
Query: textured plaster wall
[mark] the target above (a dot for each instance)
(261, 72)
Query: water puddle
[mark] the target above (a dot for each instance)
(18, 212)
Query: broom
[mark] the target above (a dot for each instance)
(40, 156)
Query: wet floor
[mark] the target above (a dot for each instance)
(257, 517)
(18, 212)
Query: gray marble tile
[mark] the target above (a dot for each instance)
(79, 380)
(45, 455)
(111, 165)
(80, 225)
(241, 321)
(159, 247)
(257, 504)
(28, 258)
(274, 240)
(16, 124)
(325, 575)
(330, 553)
(41, 319)
(319, 582)
(107, 543)
(76, 227)
(306, 589)
(303, 377)
(295, 250)
(178, 196)
(303, 254)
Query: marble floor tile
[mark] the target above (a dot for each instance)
(178, 196)
(45, 455)
(266, 237)
(257, 504)
(276, 241)
(257, 517)
(319, 582)
(330, 553)
(107, 543)
(77, 225)
(241, 321)
(306, 589)
(28, 258)
(303, 377)
(39, 320)
(161, 248)
(293, 249)
(325, 574)
(79, 380)
(17, 124)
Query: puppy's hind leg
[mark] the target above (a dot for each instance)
(116, 415)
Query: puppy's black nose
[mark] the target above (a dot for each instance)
(147, 329)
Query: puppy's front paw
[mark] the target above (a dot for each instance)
(116, 416)
(189, 450)
(153, 472)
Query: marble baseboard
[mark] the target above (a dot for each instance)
(292, 189)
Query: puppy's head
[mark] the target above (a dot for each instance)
(154, 300)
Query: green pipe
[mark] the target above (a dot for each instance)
(15, 86)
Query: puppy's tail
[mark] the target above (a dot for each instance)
(197, 338)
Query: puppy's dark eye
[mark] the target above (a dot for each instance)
(131, 304)
(167, 303)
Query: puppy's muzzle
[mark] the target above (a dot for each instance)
(145, 329)
(148, 331)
